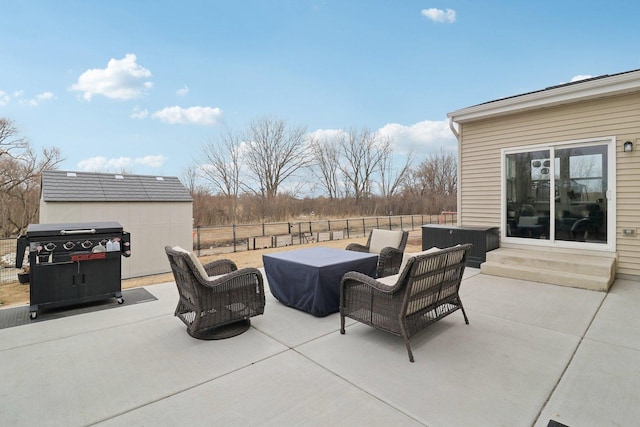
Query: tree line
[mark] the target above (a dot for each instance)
(267, 171)
(272, 171)
(20, 169)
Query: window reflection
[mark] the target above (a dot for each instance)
(528, 200)
(576, 183)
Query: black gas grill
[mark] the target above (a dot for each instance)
(73, 263)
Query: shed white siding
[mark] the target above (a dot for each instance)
(152, 225)
(157, 211)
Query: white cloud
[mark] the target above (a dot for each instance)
(580, 77)
(151, 161)
(122, 79)
(438, 15)
(45, 96)
(100, 164)
(5, 98)
(103, 164)
(422, 136)
(139, 113)
(34, 102)
(183, 91)
(322, 134)
(191, 115)
(425, 136)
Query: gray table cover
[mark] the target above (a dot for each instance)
(309, 279)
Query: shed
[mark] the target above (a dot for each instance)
(556, 170)
(156, 210)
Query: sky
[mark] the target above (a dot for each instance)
(143, 86)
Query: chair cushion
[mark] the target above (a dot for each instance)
(408, 255)
(389, 281)
(381, 239)
(528, 220)
(195, 261)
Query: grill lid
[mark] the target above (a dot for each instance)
(73, 228)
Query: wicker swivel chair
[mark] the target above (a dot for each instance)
(389, 245)
(424, 292)
(216, 299)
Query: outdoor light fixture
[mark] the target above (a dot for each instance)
(628, 147)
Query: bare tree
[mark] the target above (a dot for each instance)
(10, 139)
(12, 146)
(222, 168)
(392, 179)
(273, 153)
(362, 153)
(326, 166)
(435, 179)
(20, 173)
(189, 178)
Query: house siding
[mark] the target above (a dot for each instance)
(480, 157)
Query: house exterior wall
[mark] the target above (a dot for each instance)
(480, 160)
(152, 226)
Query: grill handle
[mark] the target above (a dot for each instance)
(68, 232)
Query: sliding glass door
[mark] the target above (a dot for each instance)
(558, 193)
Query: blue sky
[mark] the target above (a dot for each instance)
(142, 86)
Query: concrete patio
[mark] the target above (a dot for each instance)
(532, 353)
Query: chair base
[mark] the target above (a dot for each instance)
(222, 332)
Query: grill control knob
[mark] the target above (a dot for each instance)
(68, 245)
(50, 246)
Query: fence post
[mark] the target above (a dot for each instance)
(364, 230)
(347, 228)
(234, 237)
(263, 230)
(198, 239)
(389, 222)
(377, 222)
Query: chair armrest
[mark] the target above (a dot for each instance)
(389, 261)
(391, 251)
(220, 266)
(353, 278)
(231, 279)
(357, 247)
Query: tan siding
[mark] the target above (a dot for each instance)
(482, 140)
(480, 171)
(152, 226)
(628, 206)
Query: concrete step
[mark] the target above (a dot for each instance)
(599, 265)
(594, 272)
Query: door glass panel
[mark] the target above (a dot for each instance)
(580, 194)
(528, 194)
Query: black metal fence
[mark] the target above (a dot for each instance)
(242, 237)
(8, 272)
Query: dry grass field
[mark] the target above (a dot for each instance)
(16, 294)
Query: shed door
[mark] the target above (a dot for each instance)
(560, 194)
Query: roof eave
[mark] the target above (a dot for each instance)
(591, 89)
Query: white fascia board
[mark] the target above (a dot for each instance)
(581, 91)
